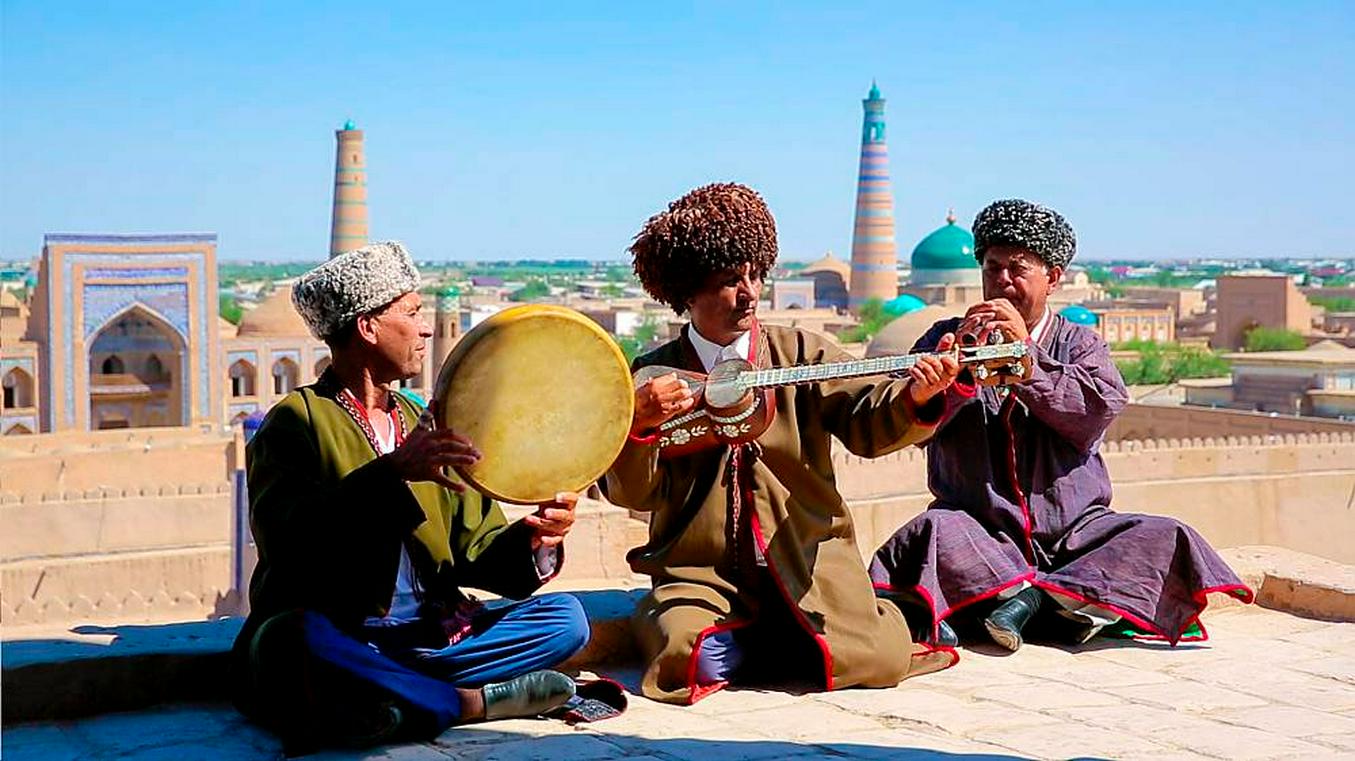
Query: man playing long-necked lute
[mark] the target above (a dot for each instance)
(756, 573)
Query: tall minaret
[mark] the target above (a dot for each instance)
(874, 256)
(446, 326)
(348, 223)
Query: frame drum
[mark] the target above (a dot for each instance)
(545, 394)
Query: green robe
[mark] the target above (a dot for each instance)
(329, 518)
(801, 522)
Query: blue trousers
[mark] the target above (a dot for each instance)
(505, 642)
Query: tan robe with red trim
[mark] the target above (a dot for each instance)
(802, 523)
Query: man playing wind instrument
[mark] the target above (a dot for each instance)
(1021, 521)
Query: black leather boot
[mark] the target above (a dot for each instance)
(918, 615)
(528, 695)
(1005, 623)
(945, 636)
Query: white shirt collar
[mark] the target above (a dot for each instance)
(711, 352)
(1037, 334)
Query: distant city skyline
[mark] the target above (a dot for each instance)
(1214, 130)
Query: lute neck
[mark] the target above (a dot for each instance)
(856, 368)
(790, 376)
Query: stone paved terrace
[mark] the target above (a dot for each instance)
(1268, 685)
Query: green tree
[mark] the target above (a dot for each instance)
(642, 340)
(873, 318)
(1169, 362)
(1273, 339)
(647, 332)
(630, 347)
(613, 291)
(230, 309)
(1334, 303)
(534, 289)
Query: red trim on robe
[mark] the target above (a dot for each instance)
(794, 607)
(646, 440)
(698, 691)
(1199, 598)
(938, 617)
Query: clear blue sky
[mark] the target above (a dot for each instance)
(1159, 129)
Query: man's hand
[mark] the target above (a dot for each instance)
(998, 314)
(659, 399)
(933, 374)
(427, 451)
(553, 520)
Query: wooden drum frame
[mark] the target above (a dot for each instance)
(545, 394)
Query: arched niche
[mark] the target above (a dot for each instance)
(286, 376)
(137, 369)
(242, 376)
(17, 386)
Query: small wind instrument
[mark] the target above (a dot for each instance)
(734, 402)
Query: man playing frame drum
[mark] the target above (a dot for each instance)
(756, 574)
(358, 631)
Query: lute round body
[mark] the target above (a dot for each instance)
(727, 412)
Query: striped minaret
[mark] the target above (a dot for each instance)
(874, 256)
(348, 223)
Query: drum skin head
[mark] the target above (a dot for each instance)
(545, 394)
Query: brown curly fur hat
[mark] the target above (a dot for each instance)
(712, 228)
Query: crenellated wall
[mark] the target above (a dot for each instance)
(51, 466)
(127, 526)
(114, 525)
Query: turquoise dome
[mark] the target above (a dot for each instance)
(948, 248)
(1078, 314)
(903, 304)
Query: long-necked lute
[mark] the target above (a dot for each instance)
(734, 402)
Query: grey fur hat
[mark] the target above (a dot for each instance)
(353, 283)
(1039, 229)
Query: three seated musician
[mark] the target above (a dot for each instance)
(358, 631)
(756, 574)
(1021, 516)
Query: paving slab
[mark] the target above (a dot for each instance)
(58, 672)
(1129, 701)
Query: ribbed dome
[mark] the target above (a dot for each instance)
(274, 316)
(899, 336)
(950, 247)
(1078, 314)
(904, 303)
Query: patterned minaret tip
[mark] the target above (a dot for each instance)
(874, 253)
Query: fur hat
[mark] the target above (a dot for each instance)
(1039, 229)
(712, 228)
(354, 283)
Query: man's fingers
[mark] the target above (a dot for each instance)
(545, 526)
(550, 540)
(440, 478)
(946, 343)
(557, 515)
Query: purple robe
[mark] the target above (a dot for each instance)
(1022, 495)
